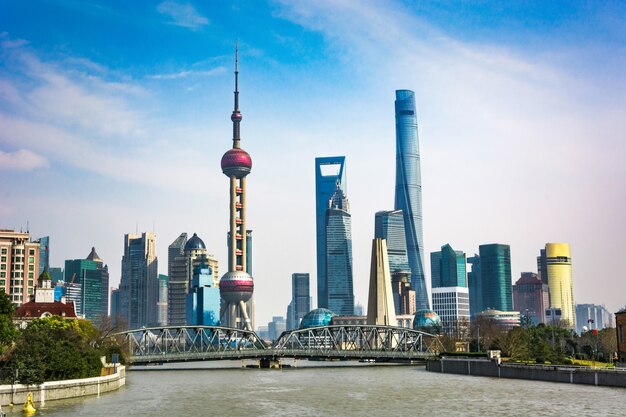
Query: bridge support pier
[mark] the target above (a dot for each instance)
(269, 363)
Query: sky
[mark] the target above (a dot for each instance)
(114, 116)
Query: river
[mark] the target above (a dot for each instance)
(336, 391)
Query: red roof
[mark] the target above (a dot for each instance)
(32, 309)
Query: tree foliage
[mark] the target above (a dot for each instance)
(8, 332)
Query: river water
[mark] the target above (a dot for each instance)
(336, 391)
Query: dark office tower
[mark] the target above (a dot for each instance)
(531, 297)
(475, 286)
(542, 266)
(139, 284)
(44, 253)
(495, 269)
(300, 298)
(389, 225)
(339, 254)
(403, 294)
(409, 190)
(329, 171)
(448, 268)
(92, 275)
(116, 317)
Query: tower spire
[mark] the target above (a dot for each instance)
(236, 116)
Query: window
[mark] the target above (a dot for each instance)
(4, 251)
(3, 282)
(3, 274)
(31, 252)
(30, 290)
(3, 259)
(31, 275)
(30, 283)
(31, 267)
(3, 267)
(31, 259)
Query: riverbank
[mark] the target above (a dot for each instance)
(553, 373)
(58, 390)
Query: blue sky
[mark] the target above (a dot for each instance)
(114, 115)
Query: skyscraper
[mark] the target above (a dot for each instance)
(162, 300)
(19, 265)
(300, 298)
(237, 286)
(448, 268)
(558, 264)
(339, 286)
(329, 171)
(92, 275)
(203, 299)
(531, 297)
(475, 286)
(403, 294)
(495, 266)
(389, 225)
(139, 282)
(44, 253)
(408, 196)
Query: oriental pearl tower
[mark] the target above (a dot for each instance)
(236, 286)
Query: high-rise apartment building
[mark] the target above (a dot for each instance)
(185, 255)
(531, 297)
(19, 265)
(495, 272)
(139, 283)
(408, 195)
(558, 266)
(329, 173)
(300, 299)
(475, 286)
(339, 286)
(593, 317)
(389, 225)
(448, 268)
(92, 275)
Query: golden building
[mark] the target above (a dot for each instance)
(558, 264)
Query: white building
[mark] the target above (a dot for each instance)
(452, 306)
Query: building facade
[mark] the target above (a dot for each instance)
(475, 286)
(139, 283)
(44, 253)
(620, 328)
(203, 299)
(389, 225)
(558, 264)
(495, 275)
(403, 295)
(300, 299)
(452, 305)
(339, 285)
(92, 275)
(448, 268)
(408, 194)
(329, 172)
(531, 297)
(162, 300)
(19, 265)
(593, 317)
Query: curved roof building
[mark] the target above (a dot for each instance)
(316, 318)
(427, 321)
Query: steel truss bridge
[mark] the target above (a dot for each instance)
(156, 345)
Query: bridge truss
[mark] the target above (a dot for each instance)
(200, 343)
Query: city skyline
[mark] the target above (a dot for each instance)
(97, 127)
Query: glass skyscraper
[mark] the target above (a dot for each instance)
(448, 268)
(92, 277)
(495, 271)
(338, 286)
(329, 171)
(389, 225)
(408, 196)
(475, 285)
(300, 298)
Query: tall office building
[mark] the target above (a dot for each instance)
(162, 300)
(389, 225)
(19, 265)
(542, 266)
(187, 255)
(531, 297)
(448, 268)
(44, 253)
(329, 172)
(408, 196)
(56, 274)
(92, 275)
(403, 294)
(495, 272)
(339, 287)
(116, 314)
(300, 299)
(203, 299)
(557, 265)
(475, 286)
(593, 317)
(452, 304)
(237, 285)
(139, 284)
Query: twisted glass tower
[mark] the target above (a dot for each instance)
(409, 190)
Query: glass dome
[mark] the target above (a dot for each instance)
(427, 321)
(316, 318)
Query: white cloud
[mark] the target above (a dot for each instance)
(22, 160)
(187, 73)
(182, 14)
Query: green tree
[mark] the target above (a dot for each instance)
(8, 332)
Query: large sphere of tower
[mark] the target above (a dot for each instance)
(236, 286)
(236, 162)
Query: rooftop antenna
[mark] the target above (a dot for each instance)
(27, 227)
(136, 227)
